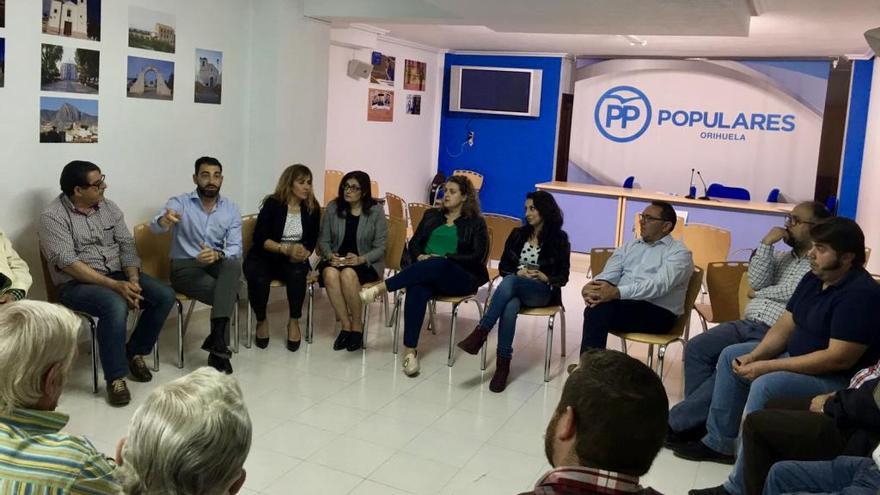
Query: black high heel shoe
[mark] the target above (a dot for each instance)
(342, 340)
(293, 345)
(262, 342)
(355, 341)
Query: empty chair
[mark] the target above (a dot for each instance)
(717, 190)
(723, 283)
(332, 178)
(707, 243)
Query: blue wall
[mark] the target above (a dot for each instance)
(512, 153)
(854, 143)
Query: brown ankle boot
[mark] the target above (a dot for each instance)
(474, 342)
(502, 371)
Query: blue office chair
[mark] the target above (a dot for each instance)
(628, 183)
(773, 197)
(717, 190)
(831, 204)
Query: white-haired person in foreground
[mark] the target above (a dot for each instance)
(37, 347)
(190, 437)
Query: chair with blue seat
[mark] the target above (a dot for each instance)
(717, 190)
(628, 183)
(773, 197)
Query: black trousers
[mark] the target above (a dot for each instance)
(260, 273)
(786, 431)
(625, 315)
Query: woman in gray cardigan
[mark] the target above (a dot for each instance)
(352, 243)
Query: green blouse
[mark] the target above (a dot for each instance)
(443, 241)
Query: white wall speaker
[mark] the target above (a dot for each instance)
(358, 69)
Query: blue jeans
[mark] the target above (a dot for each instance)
(511, 293)
(423, 280)
(700, 361)
(844, 475)
(112, 313)
(734, 397)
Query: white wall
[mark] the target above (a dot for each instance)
(273, 110)
(400, 155)
(869, 201)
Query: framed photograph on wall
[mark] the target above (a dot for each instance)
(80, 19)
(68, 120)
(414, 104)
(68, 69)
(2, 13)
(151, 30)
(414, 75)
(150, 78)
(2, 60)
(209, 76)
(380, 105)
(383, 69)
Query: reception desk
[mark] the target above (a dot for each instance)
(604, 216)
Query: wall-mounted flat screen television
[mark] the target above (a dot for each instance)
(495, 90)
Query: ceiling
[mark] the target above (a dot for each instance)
(680, 28)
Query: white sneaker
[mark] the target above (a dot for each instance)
(411, 364)
(369, 294)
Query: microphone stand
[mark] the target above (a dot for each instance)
(705, 189)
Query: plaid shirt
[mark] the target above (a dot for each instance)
(773, 277)
(35, 458)
(578, 480)
(100, 238)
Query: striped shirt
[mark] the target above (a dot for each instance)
(99, 238)
(773, 277)
(36, 459)
(579, 480)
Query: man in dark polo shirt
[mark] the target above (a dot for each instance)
(827, 332)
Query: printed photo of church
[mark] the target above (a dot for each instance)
(209, 76)
(72, 18)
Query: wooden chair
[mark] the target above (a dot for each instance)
(743, 294)
(680, 330)
(52, 296)
(722, 281)
(396, 206)
(155, 262)
(598, 259)
(374, 190)
(332, 178)
(416, 212)
(394, 244)
(707, 243)
(475, 178)
(501, 227)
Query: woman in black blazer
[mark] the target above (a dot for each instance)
(284, 237)
(449, 250)
(535, 266)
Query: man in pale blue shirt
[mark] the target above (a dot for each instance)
(206, 252)
(643, 285)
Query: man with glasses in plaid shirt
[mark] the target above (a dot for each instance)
(92, 259)
(773, 276)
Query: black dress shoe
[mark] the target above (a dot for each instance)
(715, 490)
(698, 451)
(262, 342)
(293, 345)
(341, 341)
(220, 364)
(677, 439)
(355, 341)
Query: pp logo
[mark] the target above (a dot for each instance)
(623, 113)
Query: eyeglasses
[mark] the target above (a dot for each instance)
(98, 183)
(795, 221)
(649, 218)
(351, 187)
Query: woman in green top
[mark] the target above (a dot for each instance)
(449, 246)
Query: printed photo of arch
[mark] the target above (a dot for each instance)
(69, 70)
(209, 76)
(150, 78)
(72, 18)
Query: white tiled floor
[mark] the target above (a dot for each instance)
(351, 423)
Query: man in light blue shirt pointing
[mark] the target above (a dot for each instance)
(206, 252)
(643, 285)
